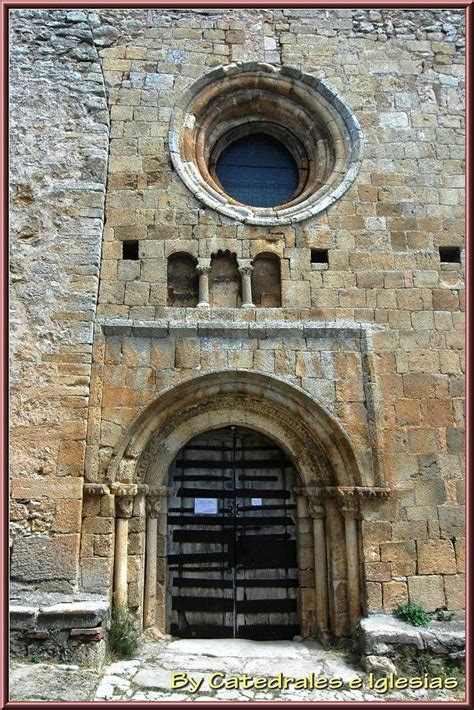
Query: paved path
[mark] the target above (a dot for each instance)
(202, 663)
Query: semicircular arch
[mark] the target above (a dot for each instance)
(303, 428)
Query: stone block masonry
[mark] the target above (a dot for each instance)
(372, 313)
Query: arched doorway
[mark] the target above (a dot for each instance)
(334, 478)
(232, 538)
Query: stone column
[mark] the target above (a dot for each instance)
(350, 511)
(124, 495)
(203, 267)
(153, 509)
(318, 514)
(245, 270)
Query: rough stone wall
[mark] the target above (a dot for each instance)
(402, 72)
(59, 150)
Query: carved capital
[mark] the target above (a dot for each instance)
(350, 508)
(96, 489)
(124, 506)
(154, 505)
(245, 267)
(316, 510)
(124, 495)
(203, 266)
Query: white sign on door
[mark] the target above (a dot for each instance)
(206, 506)
(256, 501)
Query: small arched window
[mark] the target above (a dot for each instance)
(183, 281)
(266, 281)
(258, 170)
(224, 281)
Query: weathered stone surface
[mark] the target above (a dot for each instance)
(455, 591)
(59, 683)
(380, 665)
(394, 593)
(427, 591)
(379, 632)
(38, 558)
(155, 665)
(27, 488)
(451, 521)
(381, 635)
(436, 557)
(73, 614)
(374, 335)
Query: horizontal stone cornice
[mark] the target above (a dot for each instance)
(344, 492)
(237, 329)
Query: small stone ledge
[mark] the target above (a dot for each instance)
(385, 635)
(72, 630)
(64, 615)
(73, 614)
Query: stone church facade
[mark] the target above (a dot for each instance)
(151, 309)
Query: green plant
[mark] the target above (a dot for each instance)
(413, 613)
(427, 663)
(123, 633)
(457, 673)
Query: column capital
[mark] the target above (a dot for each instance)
(316, 509)
(203, 265)
(154, 500)
(124, 506)
(154, 506)
(124, 495)
(350, 508)
(245, 267)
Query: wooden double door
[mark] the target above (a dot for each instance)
(232, 557)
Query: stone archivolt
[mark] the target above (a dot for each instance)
(307, 115)
(312, 438)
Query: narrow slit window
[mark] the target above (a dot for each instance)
(130, 250)
(319, 256)
(450, 255)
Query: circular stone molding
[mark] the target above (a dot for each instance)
(305, 113)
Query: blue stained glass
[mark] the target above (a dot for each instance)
(258, 170)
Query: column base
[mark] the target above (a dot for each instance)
(203, 304)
